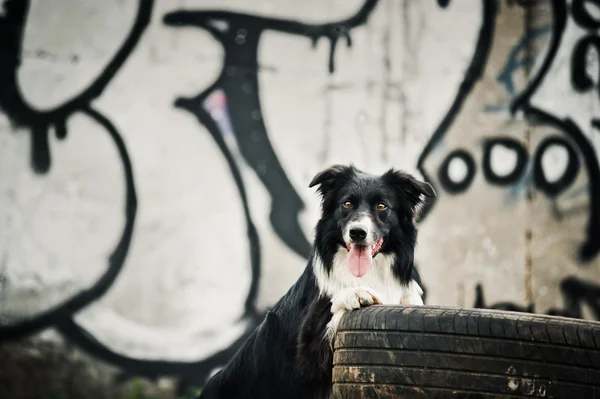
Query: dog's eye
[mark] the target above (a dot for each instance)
(348, 204)
(381, 206)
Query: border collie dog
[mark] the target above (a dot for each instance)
(362, 254)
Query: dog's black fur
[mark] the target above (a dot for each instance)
(287, 356)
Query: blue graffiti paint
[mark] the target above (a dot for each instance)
(519, 187)
(514, 62)
(495, 108)
(583, 190)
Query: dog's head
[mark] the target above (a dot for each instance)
(367, 214)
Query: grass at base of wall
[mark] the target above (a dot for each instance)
(138, 391)
(49, 368)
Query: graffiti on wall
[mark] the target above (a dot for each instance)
(575, 142)
(575, 291)
(237, 86)
(234, 94)
(40, 124)
(528, 172)
(230, 110)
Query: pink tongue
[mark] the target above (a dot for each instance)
(359, 260)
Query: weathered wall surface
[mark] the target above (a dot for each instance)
(155, 156)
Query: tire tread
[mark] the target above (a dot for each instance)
(439, 352)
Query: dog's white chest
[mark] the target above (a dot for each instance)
(379, 278)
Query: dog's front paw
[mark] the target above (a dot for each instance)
(348, 299)
(354, 298)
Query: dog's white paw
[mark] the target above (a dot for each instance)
(354, 298)
(348, 299)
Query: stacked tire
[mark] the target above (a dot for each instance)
(444, 352)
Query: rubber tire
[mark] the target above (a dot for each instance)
(443, 352)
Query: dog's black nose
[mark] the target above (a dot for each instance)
(358, 234)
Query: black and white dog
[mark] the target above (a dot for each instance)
(363, 254)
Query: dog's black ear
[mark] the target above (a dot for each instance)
(328, 174)
(410, 183)
(423, 187)
(326, 178)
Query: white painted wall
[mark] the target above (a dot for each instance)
(181, 291)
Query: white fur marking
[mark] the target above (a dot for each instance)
(353, 298)
(365, 223)
(350, 292)
(348, 299)
(380, 277)
(413, 295)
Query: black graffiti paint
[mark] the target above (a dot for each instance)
(559, 21)
(580, 78)
(521, 156)
(575, 293)
(506, 306)
(21, 114)
(590, 248)
(451, 185)
(550, 188)
(190, 374)
(582, 16)
(39, 123)
(519, 58)
(473, 74)
(63, 312)
(553, 188)
(238, 80)
(240, 35)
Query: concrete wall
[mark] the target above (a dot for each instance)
(155, 157)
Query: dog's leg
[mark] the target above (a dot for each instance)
(315, 357)
(413, 295)
(348, 299)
